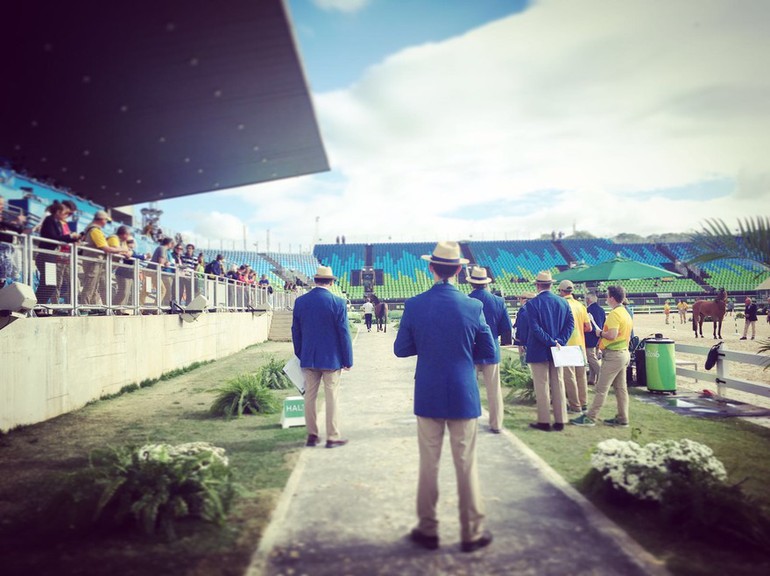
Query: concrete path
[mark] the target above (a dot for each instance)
(347, 511)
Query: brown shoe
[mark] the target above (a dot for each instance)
(312, 440)
(335, 443)
(485, 540)
(427, 542)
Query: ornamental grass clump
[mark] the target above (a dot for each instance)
(247, 394)
(156, 485)
(685, 483)
(517, 377)
(273, 376)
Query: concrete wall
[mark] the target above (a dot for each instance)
(51, 366)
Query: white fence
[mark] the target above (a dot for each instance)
(720, 374)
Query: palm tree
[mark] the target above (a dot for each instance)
(717, 242)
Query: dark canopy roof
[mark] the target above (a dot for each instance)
(131, 101)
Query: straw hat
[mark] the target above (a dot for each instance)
(446, 253)
(544, 277)
(324, 273)
(527, 296)
(479, 276)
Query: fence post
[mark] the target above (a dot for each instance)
(722, 371)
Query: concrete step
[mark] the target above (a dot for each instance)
(280, 326)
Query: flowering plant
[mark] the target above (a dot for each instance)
(157, 484)
(649, 472)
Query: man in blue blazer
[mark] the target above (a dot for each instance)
(548, 323)
(322, 343)
(499, 322)
(448, 334)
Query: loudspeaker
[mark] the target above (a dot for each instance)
(17, 297)
(195, 308)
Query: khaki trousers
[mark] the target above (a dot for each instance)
(491, 375)
(594, 364)
(613, 374)
(462, 439)
(549, 390)
(331, 381)
(753, 325)
(576, 386)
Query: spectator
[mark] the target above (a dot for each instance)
(125, 274)
(94, 269)
(9, 268)
(597, 316)
(163, 260)
(548, 323)
(188, 263)
(615, 336)
(575, 381)
(47, 261)
(499, 322)
(448, 334)
(216, 268)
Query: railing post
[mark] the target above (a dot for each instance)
(722, 371)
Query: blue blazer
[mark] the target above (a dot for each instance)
(319, 331)
(447, 332)
(548, 320)
(496, 315)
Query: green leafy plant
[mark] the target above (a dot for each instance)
(154, 486)
(245, 393)
(517, 377)
(273, 376)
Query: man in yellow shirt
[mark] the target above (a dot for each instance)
(682, 307)
(666, 310)
(94, 270)
(614, 343)
(575, 380)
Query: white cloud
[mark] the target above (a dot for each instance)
(576, 111)
(341, 5)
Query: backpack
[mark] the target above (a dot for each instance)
(208, 269)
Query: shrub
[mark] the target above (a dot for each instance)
(273, 376)
(518, 378)
(685, 482)
(244, 393)
(157, 484)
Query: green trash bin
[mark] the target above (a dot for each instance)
(660, 364)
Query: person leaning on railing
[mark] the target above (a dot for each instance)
(94, 270)
(9, 223)
(54, 227)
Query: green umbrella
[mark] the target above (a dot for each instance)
(570, 273)
(618, 268)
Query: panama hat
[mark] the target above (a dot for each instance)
(446, 253)
(324, 273)
(479, 276)
(544, 277)
(527, 295)
(566, 286)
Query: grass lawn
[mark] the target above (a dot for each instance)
(38, 460)
(739, 444)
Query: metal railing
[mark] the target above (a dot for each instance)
(71, 279)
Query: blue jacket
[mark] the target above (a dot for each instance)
(319, 331)
(496, 315)
(548, 320)
(592, 340)
(447, 332)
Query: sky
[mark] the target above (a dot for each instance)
(510, 119)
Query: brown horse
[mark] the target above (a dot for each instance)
(714, 308)
(380, 314)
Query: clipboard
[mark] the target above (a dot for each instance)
(294, 371)
(567, 356)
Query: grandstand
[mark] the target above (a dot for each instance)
(401, 273)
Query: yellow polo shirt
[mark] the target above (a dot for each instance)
(619, 318)
(580, 315)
